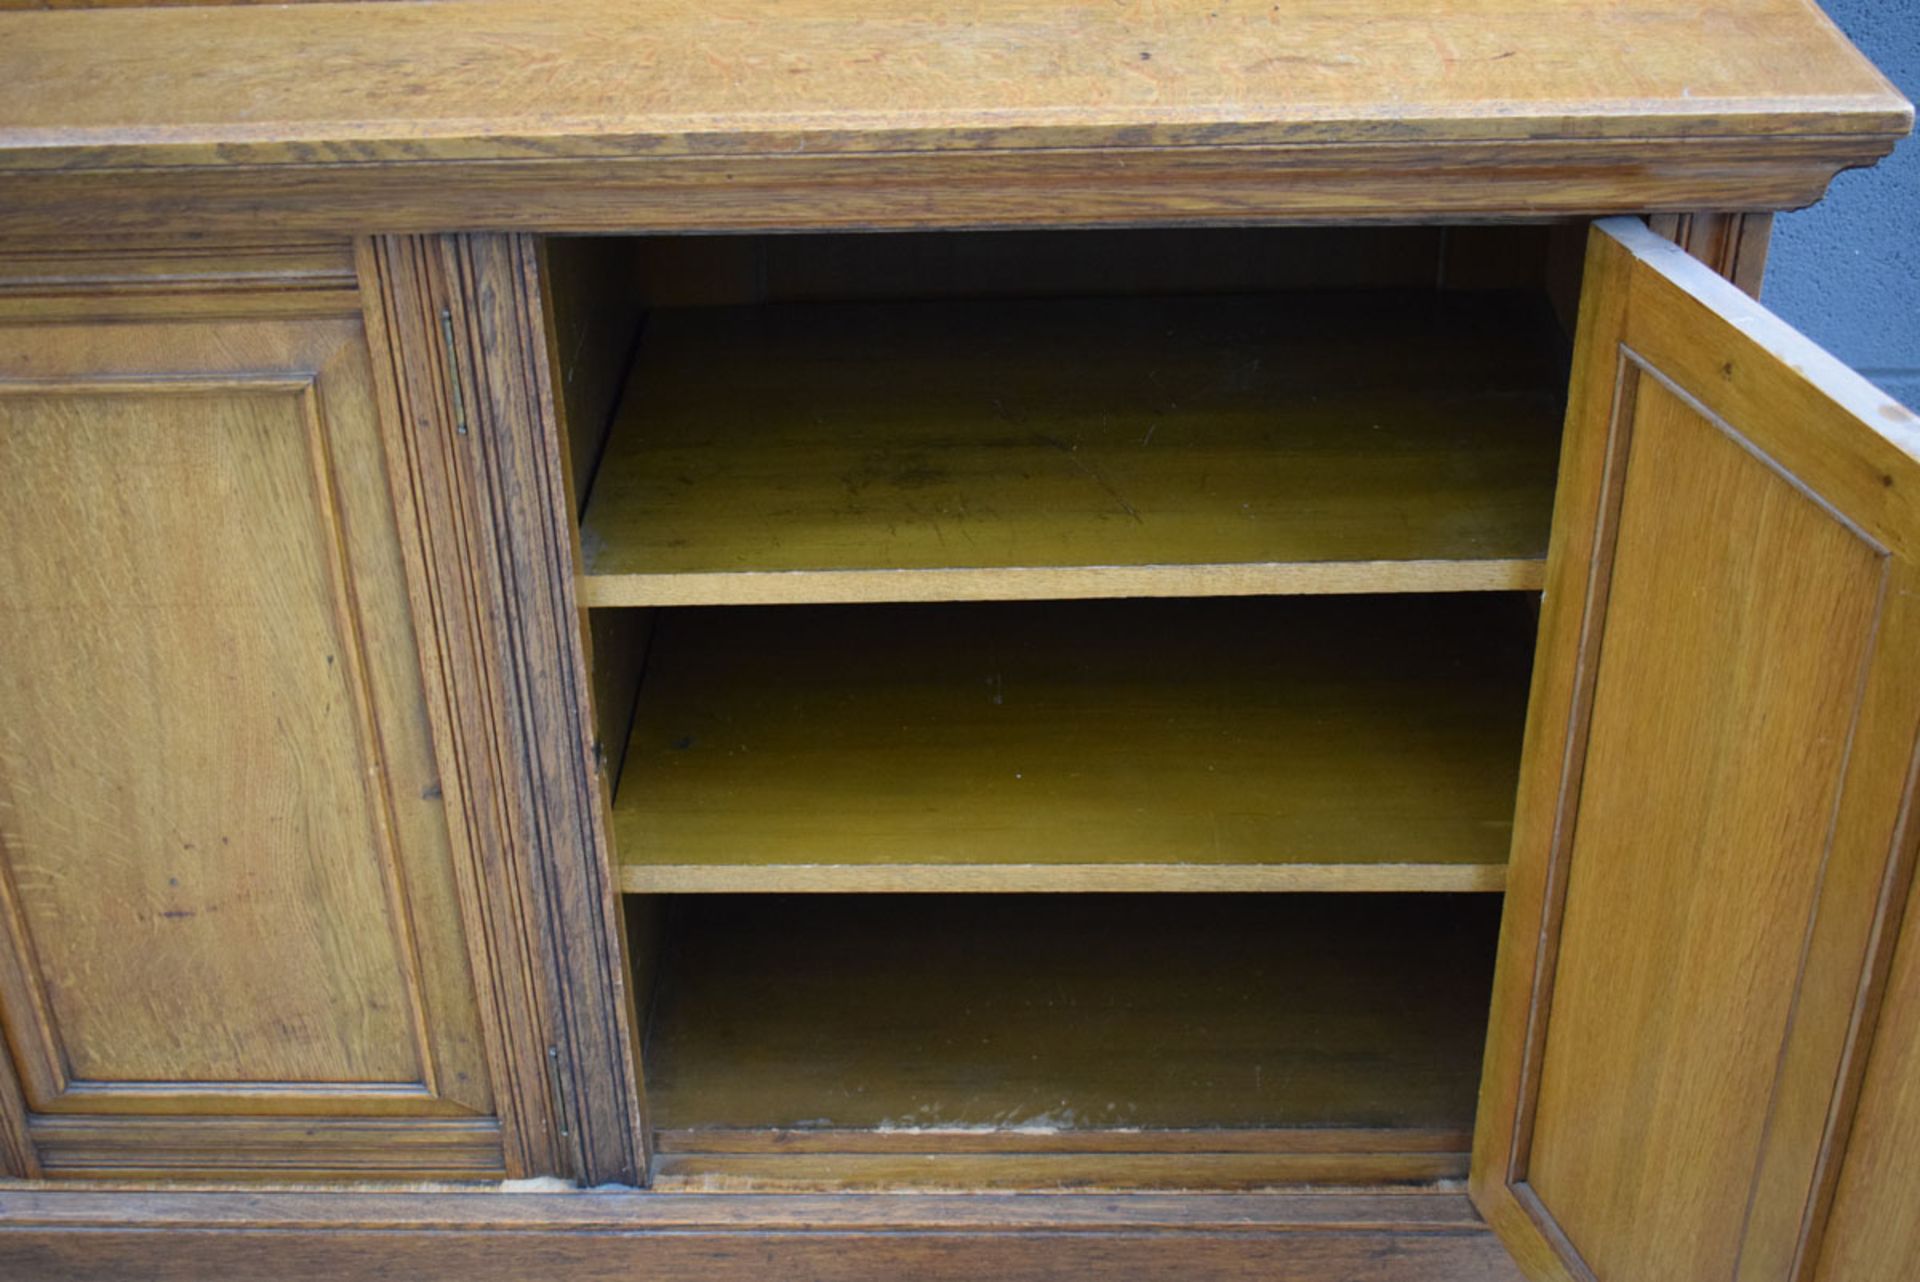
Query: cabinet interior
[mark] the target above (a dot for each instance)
(1061, 693)
(960, 1040)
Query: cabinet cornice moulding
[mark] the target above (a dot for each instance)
(585, 115)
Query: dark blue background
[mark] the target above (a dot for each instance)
(1847, 271)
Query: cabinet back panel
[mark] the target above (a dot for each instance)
(681, 271)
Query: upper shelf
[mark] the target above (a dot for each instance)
(1113, 447)
(591, 115)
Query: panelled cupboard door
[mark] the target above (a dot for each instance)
(231, 935)
(1712, 820)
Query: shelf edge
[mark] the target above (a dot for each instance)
(1036, 583)
(643, 879)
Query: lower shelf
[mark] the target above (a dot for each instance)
(980, 1041)
(1270, 744)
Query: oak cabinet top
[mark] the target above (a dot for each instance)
(1748, 103)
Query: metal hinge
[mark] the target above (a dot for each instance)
(453, 371)
(560, 1109)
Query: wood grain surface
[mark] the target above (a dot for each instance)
(233, 925)
(1694, 864)
(588, 115)
(170, 950)
(489, 483)
(1874, 1235)
(504, 79)
(1322, 1236)
(1295, 743)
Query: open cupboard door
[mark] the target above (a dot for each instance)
(1713, 815)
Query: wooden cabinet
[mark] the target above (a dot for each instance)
(1719, 743)
(1285, 678)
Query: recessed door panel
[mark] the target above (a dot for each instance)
(229, 881)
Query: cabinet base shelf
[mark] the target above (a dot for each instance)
(863, 1042)
(963, 1159)
(1200, 1171)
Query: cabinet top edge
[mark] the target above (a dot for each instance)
(692, 115)
(489, 80)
